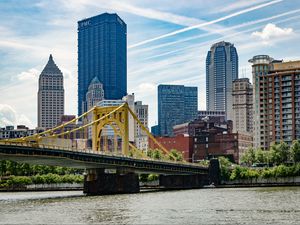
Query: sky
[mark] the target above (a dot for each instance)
(167, 43)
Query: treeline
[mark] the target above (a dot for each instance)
(40, 179)
(9, 168)
(173, 155)
(14, 174)
(276, 155)
(280, 161)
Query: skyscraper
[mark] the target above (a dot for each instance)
(242, 94)
(176, 104)
(50, 95)
(94, 94)
(102, 52)
(221, 70)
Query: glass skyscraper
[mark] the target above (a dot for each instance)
(177, 104)
(102, 53)
(221, 71)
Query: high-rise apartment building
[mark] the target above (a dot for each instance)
(50, 95)
(261, 117)
(141, 138)
(176, 104)
(102, 52)
(242, 94)
(276, 100)
(221, 70)
(94, 94)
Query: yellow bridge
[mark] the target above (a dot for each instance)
(54, 147)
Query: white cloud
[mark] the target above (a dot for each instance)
(238, 4)
(205, 24)
(271, 32)
(28, 75)
(9, 116)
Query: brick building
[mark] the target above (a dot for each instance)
(206, 138)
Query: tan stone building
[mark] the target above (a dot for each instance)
(50, 95)
(242, 94)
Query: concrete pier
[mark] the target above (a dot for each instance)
(97, 182)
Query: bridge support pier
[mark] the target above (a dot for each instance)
(192, 181)
(97, 182)
(183, 181)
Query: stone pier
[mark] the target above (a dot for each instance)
(97, 182)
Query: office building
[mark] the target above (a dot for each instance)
(221, 70)
(131, 123)
(140, 136)
(242, 94)
(102, 52)
(94, 94)
(50, 95)
(176, 104)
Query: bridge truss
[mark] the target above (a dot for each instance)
(92, 125)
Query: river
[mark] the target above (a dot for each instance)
(200, 206)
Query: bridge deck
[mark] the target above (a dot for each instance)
(85, 159)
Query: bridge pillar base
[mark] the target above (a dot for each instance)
(183, 181)
(97, 182)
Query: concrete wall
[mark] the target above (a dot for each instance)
(274, 181)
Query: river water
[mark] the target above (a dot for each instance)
(199, 206)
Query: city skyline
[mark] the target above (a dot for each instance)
(164, 50)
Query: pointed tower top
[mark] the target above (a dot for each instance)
(51, 68)
(95, 80)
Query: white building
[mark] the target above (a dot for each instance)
(130, 101)
(141, 138)
(94, 94)
(50, 96)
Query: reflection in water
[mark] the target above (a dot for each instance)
(202, 206)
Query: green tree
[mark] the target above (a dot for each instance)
(155, 154)
(295, 151)
(175, 155)
(279, 153)
(260, 156)
(225, 166)
(248, 157)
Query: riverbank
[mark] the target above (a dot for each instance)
(262, 182)
(44, 187)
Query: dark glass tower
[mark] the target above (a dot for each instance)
(102, 53)
(221, 71)
(177, 104)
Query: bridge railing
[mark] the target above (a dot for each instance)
(49, 147)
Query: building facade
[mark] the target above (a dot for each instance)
(242, 94)
(221, 70)
(21, 131)
(276, 101)
(285, 80)
(102, 52)
(206, 138)
(94, 94)
(131, 122)
(51, 98)
(176, 104)
(140, 136)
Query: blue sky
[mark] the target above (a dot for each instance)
(167, 43)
